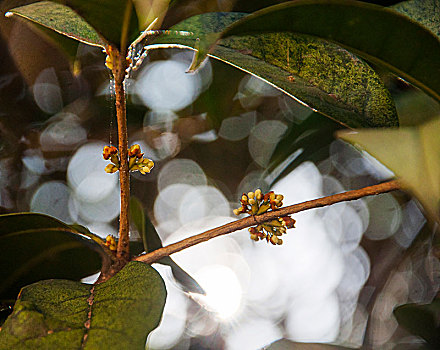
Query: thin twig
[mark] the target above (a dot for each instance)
(254, 220)
(120, 64)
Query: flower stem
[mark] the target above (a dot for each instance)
(258, 219)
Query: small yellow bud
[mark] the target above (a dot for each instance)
(244, 198)
(258, 195)
(251, 195)
(111, 168)
(254, 237)
(109, 62)
(280, 197)
(280, 241)
(134, 150)
(150, 164)
(252, 201)
(237, 211)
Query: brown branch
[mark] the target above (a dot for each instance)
(253, 220)
(119, 66)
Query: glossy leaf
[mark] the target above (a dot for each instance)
(114, 22)
(412, 153)
(382, 36)
(61, 314)
(323, 75)
(59, 19)
(421, 320)
(152, 241)
(36, 247)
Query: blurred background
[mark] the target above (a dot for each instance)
(214, 135)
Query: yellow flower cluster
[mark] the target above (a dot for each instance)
(257, 203)
(136, 160)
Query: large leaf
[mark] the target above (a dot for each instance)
(382, 36)
(61, 314)
(321, 74)
(421, 320)
(112, 21)
(412, 153)
(152, 241)
(60, 19)
(36, 247)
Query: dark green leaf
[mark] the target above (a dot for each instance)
(308, 140)
(421, 320)
(323, 75)
(67, 46)
(383, 36)
(114, 22)
(152, 241)
(59, 19)
(425, 12)
(36, 247)
(61, 314)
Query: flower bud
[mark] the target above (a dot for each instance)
(111, 168)
(134, 150)
(251, 195)
(237, 211)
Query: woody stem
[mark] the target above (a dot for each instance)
(119, 66)
(258, 219)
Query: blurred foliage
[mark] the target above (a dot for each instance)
(37, 247)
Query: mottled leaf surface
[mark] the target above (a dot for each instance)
(412, 153)
(112, 21)
(424, 12)
(60, 314)
(321, 74)
(36, 247)
(61, 19)
(381, 35)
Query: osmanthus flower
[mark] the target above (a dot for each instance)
(136, 160)
(257, 203)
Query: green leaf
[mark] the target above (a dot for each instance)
(424, 12)
(320, 74)
(307, 140)
(412, 153)
(150, 237)
(60, 19)
(421, 320)
(61, 314)
(36, 247)
(382, 36)
(99, 21)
